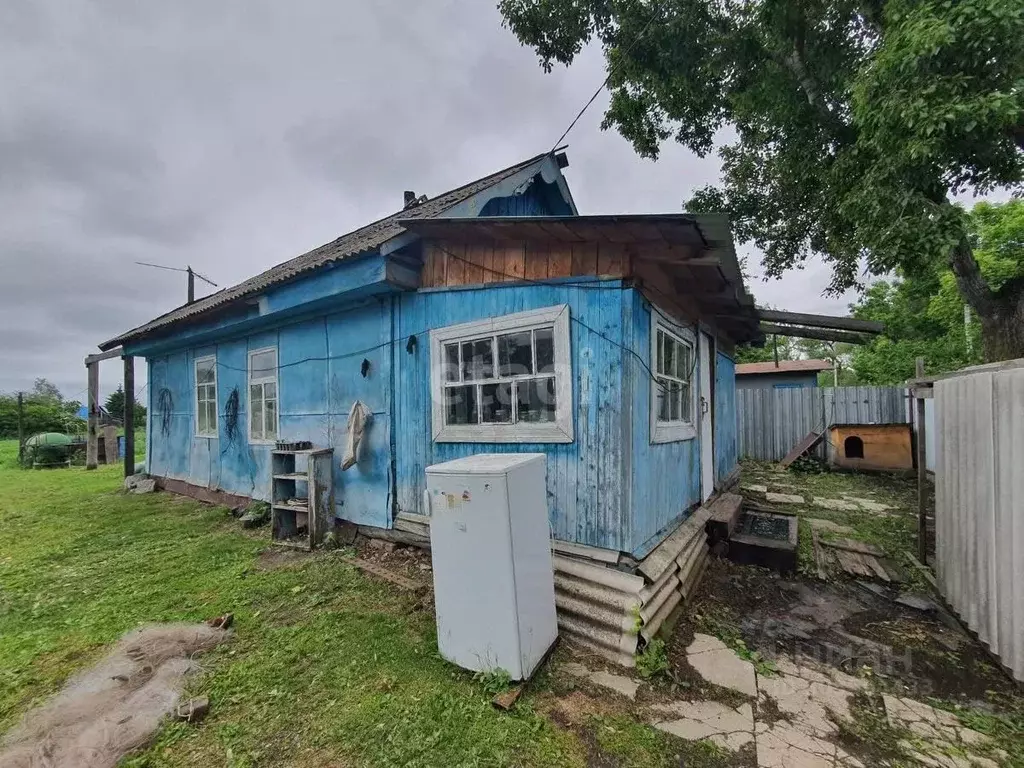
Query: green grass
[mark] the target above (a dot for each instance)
(326, 668)
(635, 745)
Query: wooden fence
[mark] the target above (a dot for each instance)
(772, 421)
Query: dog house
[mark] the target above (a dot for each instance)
(872, 446)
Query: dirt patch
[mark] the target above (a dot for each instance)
(115, 706)
(838, 624)
(281, 557)
(408, 561)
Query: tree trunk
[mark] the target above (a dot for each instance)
(1001, 316)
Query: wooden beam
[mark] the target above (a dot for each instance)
(922, 474)
(821, 321)
(110, 353)
(663, 256)
(91, 448)
(129, 416)
(814, 333)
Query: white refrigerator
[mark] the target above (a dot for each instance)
(490, 544)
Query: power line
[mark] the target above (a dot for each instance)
(603, 85)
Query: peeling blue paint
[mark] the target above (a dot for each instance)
(726, 435)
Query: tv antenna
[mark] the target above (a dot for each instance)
(192, 275)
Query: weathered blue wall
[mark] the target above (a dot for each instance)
(726, 440)
(584, 479)
(319, 379)
(664, 478)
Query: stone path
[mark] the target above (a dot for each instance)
(791, 718)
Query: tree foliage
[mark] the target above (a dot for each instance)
(856, 121)
(114, 405)
(924, 313)
(44, 410)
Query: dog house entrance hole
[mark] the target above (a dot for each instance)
(853, 447)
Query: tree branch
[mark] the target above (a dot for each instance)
(795, 62)
(972, 284)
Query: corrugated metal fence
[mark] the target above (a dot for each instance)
(772, 421)
(979, 503)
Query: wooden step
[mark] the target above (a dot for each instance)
(410, 522)
(725, 516)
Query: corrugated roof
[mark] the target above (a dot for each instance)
(362, 240)
(784, 366)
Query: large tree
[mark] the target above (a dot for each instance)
(856, 122)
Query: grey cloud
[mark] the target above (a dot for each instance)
(235, 135)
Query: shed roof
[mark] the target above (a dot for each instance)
(363, 240)
(784, 366)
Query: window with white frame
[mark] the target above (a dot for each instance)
(206, 396)
(505, 379)
(263, 395)
(673, 367)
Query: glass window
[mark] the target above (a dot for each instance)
(263, 395)
(673, 374)
(206, 396)
(506, 379)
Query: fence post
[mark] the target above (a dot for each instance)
(21, 427)
(129, 415)
(922, 475)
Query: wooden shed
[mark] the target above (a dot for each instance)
(872, 446)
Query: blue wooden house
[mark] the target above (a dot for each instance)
(491, 318)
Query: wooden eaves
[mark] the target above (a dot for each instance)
(821, 327)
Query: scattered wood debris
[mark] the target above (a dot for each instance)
(507, 699)
(382, 572)
(856, 558)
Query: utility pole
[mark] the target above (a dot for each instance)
(129, 415)
(192, 275)
(21, 427)
(775, 344)
(922, 472)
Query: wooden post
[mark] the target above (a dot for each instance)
(922, 475)
(91, 449)
(129, 415)
(191, 285)
(21, 427)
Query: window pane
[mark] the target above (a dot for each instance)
(256, 411)
(515, 357)
(460, 407)
(270, 419)
(205, 371)
(451, 362)
(263, 364)
(477, 359)
(683, 357)
(662, 397)
(496, 403)
(675, 402)
(544, 338)
(270, 390)
(201, 419)
(536, 400)
(687, 405)
(669, 361)
(659, 365)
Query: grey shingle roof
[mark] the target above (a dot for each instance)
(363, 240)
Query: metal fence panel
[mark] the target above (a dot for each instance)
(772, 421)
(979, 504)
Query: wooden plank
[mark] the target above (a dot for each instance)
(924, 569)
(382, 572)
(515, 260)
(813, 333)
(922, 474)
(584, 258)
(438, 266)
(821, 321)
(456, 272)
(852, 563)
(610, 259)
(129, 416)
(876, 566)
(809, 441)
(536, 261)
(560, 260)
(474, 265)
(92, 437)
(110, 353)
(852, 545)
(819, 556)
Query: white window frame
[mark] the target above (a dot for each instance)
(558, 431)
(672, 431)
(277, 399)
(195, 400)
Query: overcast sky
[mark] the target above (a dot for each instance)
(235, 135)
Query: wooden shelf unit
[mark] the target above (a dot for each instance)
(302, 525)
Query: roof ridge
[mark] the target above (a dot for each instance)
(359, 240)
